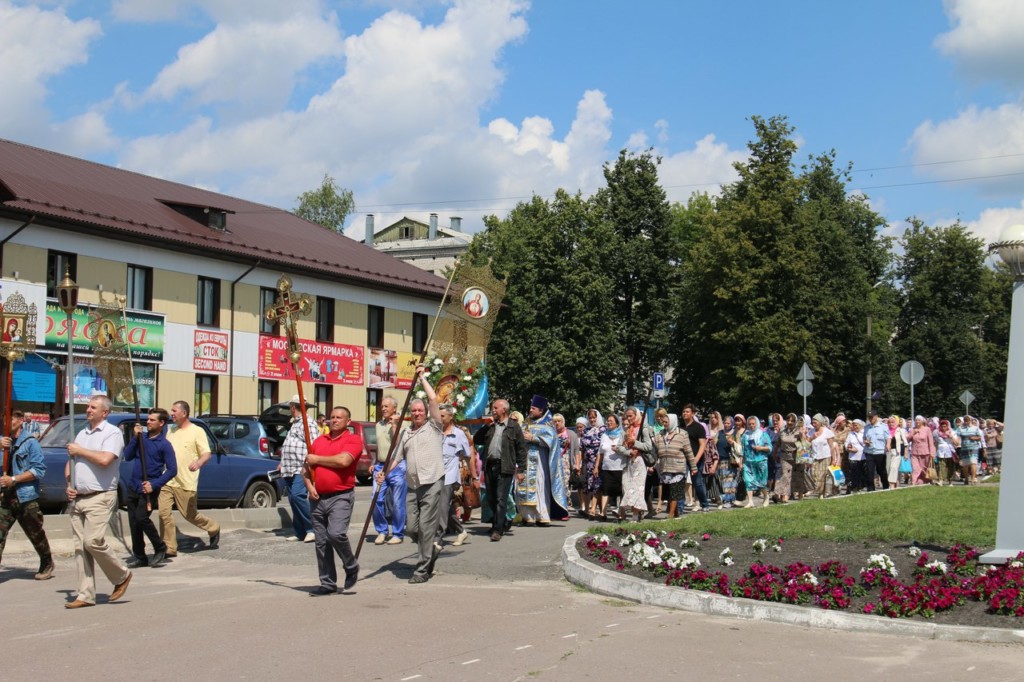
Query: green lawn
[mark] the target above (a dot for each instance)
(925, 514)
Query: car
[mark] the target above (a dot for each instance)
(277, 420)
(368, 432)
(242, 434)
(229, 479)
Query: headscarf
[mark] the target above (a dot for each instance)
(755, 436)
(728, 431)
(739, 422)
(933, 423)
(594, 430)
(673, 423)
(944, 430)
(617, 431)
(582, 421)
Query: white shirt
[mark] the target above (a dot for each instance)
(855, 446)
(610, 460)
(90, 477)
(819, 446)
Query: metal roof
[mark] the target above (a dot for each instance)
(84, 196)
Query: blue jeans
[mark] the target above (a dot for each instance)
(298, 498)
(392, 495)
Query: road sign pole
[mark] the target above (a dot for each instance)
(912, 415)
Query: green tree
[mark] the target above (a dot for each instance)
(328, 205)
(554, 334)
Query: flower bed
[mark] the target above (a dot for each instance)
(896, 581)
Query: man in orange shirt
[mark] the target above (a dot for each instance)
(330, 477)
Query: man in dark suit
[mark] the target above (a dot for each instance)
(504, 456)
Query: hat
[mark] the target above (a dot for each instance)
(295, 401)
(540, 402)
(581, 421)
(872, 414)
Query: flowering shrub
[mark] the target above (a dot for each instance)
(717, 582)
(760, 545)
(914, 552)
(777, 547)
(603, 552)
(725, 557)
(963, 560)
(643, 555)
(687, 543)
(879, 566)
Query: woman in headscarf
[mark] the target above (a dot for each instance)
(612, 464)
(634, 482)
(739, 427)
(675, 460)
(757, 445)
(803, 483)
(660, 492)
(897, 451)
(590, 450)
(712, 459)
(570, 445)
(789, 437)
(825, 453)
(946, 443)
(922, 450)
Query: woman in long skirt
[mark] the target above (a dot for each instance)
(728, 471)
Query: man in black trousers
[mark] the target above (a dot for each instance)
(504, 457)
(161, 466)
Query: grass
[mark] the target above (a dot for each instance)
(925, 514)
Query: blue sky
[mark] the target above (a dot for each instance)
(464, 107)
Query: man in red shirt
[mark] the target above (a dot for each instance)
(330, 476)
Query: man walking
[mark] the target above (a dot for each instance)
(393, 489)
(504, 458)
(191, 452)
(95, 454)
(293, 460)
(19, 493)
(454, 448)
(876, 445)
(330, 479)
(143, 492)
(698, 443)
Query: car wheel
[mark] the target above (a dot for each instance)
(260, 495)
(364, 480)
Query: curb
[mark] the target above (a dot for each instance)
(613, 584)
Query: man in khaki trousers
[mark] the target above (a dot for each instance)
(191, 451)
(96, 455)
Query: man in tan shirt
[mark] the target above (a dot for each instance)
(192, 451)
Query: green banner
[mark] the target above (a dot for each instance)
(145, 332)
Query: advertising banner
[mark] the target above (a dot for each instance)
(322, 363)
(211, 352)
(145, 332)
(391, 369)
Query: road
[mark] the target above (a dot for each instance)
(495, 611)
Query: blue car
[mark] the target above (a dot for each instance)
(227, 480)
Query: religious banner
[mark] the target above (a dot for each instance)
(211, 352)
(322, 363)
(391, 369)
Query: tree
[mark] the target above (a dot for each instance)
(328, 205)
(554, 334)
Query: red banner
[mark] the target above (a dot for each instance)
(322, 363)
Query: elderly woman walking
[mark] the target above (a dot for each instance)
(922, 451)
(590, 453)
(825, 453)
(757, 445)
(789, 439)
(675, 461)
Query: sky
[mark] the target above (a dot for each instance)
(467, 107)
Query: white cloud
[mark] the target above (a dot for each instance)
(986, 38)
(705, 168)
(227, 11)
(991, 221)
(35, 45)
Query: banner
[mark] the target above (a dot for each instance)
(34, 381)
(145, 332)
(391, 369)
(211, 352)
(322, 363)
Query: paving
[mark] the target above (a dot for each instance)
(495, 611)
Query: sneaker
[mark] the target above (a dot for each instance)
(380, 539)
(310, 537)
(418, 579)
(395, 540)
(461, 538)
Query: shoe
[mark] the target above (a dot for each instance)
(77, 604)
(543, 524)
(310, 537)
(45, 573)
(171, 555)
(158, 558)
(136, 562)
(292, 538)
(322, 592)
(120, 588)
(418, 579)
(380, 539)
(495, 536)
(351, 579)
(461, 538)
(433, 559)
(395, 540)
(215, 540)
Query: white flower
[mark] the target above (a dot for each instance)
(1016, 564)
(460, 399)
(643, 555)
(882, 562)
(760, 545)
(776, 547)
(936, 566)
(438, 361)
(805, 579)
(421, 394)
(914, 552)
(688, 543)
(689, 561)
(725, 557)
(602, 538)
(467, 378)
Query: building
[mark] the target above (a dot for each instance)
(198, 269)
(427, 246)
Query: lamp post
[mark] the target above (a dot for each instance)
(1009, 529)
(67, 294)
(871, 358)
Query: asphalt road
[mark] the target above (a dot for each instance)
(494, 611)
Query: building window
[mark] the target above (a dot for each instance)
(266, 395)
(373, 398)
(324, 319)
(322, 400)
(140, 288)
(206, 394)
(375, 327)
(419, 332)
(56, 263)
(208, 302)
(267, 298)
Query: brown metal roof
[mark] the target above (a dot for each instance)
(75, 194)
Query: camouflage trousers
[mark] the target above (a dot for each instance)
(30, 518)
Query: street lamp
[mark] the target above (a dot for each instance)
(871, 358)
(1009, 530)
(67, 294)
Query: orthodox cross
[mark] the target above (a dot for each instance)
(284, 311)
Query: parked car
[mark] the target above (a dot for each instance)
(242, 434)
(277, 420)
(368, 432)
(229, 479)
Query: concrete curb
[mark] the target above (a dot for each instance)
(613, 584)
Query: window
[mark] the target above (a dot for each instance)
(373, 398)
(140, 288)
(324, 319)
(56, 263)
(206, 395)
(375, 327)
(419, 332)
(208, 302)
(322, 400)
(267, 298)
(266, 395)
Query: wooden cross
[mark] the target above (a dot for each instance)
(284, 312)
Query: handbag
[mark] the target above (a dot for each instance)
(736, 454)
(468, 493)
(838, 477)
(905, 467)
(930, 474)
